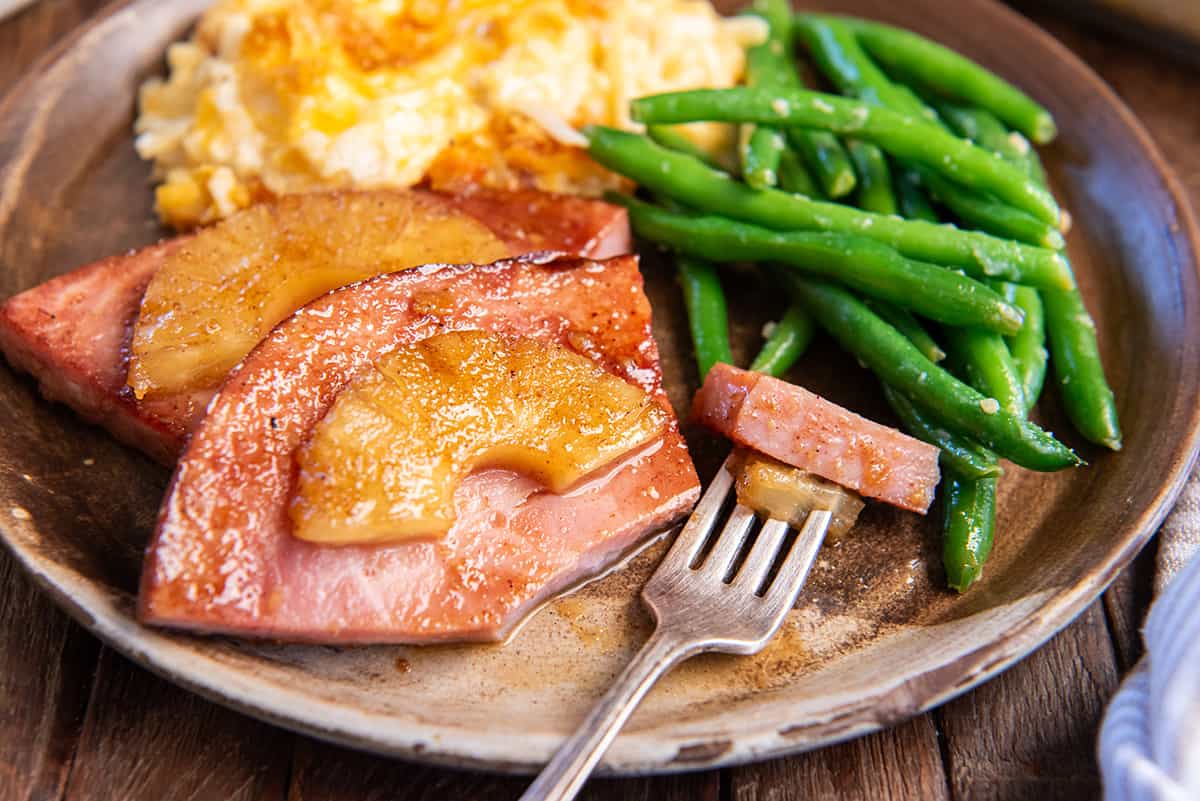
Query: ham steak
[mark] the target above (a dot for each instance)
(804, 430)
(72, 333)
(223, 558)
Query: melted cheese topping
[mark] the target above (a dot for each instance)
(277, 96)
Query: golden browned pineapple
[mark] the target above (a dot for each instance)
(383, 464)
(217, 296)
(778, 490)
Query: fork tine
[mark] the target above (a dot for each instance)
(763, 554)
(704, 517)
(794, 570)
(729, 542)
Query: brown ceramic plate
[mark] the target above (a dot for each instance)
(877, 638)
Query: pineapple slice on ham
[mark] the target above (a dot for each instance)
(384, 462)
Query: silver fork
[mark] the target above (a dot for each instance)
(698, 604)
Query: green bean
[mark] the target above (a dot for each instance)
(787, 342)
(1033, 165)
(988, 366)
(1014, 377)
(839, 55)
(760, 154)
(874, 191)
(825, 42)
(989, 214)
(919, 62)
(795, 178)
(969, 504)
(962, 455)
(846, 64)
(767, 65)
(690, 182)
(826, 159)
(1028, 346)
(986, 130)
(841, 59)
(669, 137)
(911, 199)
(707, 315)
(958, 453)
(899, 364)
(1075, 355)
(981, 127)
(906, 324)
(905, 137)
(1087, 396)
(969, 525)
(772, 65)
(867, 266)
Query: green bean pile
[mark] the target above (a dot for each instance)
(909, 217)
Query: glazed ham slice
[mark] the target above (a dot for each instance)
(223, 558)
(804, 430)
(72, 333)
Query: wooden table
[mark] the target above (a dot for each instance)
(79, 722)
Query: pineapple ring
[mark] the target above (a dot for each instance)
(384, 462)
(219, 294)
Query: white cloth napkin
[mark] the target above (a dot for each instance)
(1150, 738)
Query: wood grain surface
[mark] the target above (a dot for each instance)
(1164, 26)
(79, 722)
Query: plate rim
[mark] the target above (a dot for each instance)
(154, 649)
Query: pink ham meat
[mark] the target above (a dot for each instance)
(72, 333)
(795, 426)
(223, 559)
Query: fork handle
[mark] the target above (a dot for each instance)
(566, 773)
